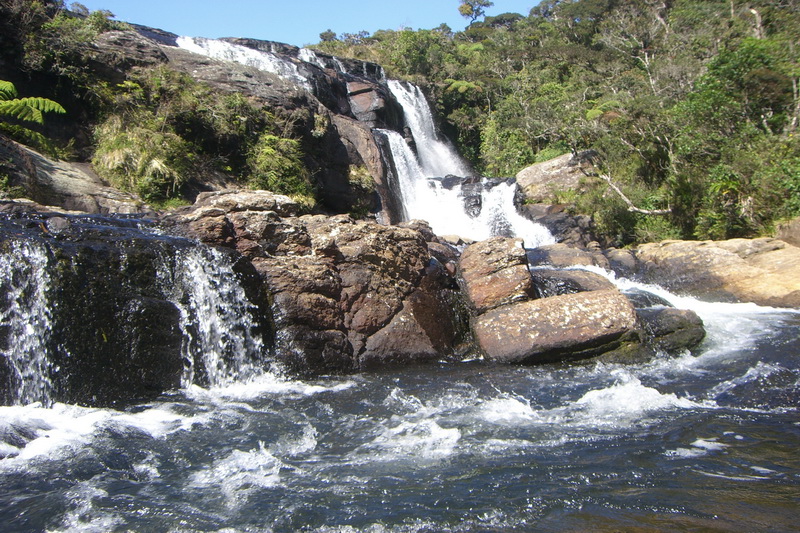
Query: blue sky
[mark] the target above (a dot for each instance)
(296, 22)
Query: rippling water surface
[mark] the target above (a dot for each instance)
(706, 442)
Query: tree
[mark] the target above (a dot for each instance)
(473, 9)
(327, 36)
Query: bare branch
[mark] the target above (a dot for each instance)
(632, 208)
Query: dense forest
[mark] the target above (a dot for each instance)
(690, 107)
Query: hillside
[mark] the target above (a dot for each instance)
(690, 109)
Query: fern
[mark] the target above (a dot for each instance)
(30, 109)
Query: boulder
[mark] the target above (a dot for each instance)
(789, 232)
(672, 330)
(544, 182)
(567, 327)
(552, 282)
(494, 273)
(763, 271)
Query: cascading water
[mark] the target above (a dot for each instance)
(25, 319)
(266, 61)
(216, 319)
(481, 210)
(436, 157)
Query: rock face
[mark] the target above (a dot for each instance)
(68, 185)
(763, 271)
(344, 294)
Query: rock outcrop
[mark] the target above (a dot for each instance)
(764, 271)
(71, 186)
(543, 183)
(344, 294)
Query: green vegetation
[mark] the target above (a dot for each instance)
(693, 106)
(157, 131)
(14, 110)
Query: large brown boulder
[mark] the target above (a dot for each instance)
(495, 272)
(567, 327)
(764, 271)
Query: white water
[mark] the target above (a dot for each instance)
(216, 321)
(443, 208)
(266, 61)
(25, 315)
(436, 156)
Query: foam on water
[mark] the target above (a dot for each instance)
(35, 432)
(240, 473)
(421, 441)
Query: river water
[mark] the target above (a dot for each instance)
(692, 442)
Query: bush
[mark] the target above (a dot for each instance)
(137, 156)
(276, 165)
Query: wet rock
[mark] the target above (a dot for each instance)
(763, 271)
(552, 282)
(567, 327)
(495, 272)
(672, 330)
(569, 229)
(622, 262)
(562, 256)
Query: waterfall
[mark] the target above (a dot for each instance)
(25, 321)
(266, 61)
(160, 301)
(436, 156)
(216, 319)
(469, 207)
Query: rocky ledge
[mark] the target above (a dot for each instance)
(765, 271)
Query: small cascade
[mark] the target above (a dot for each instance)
(103, 313)
(432, 188)
(477, 208)
(309, 56)
(266, 61)
(216, 319)
(25, 323)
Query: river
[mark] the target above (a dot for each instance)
(692, 442)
